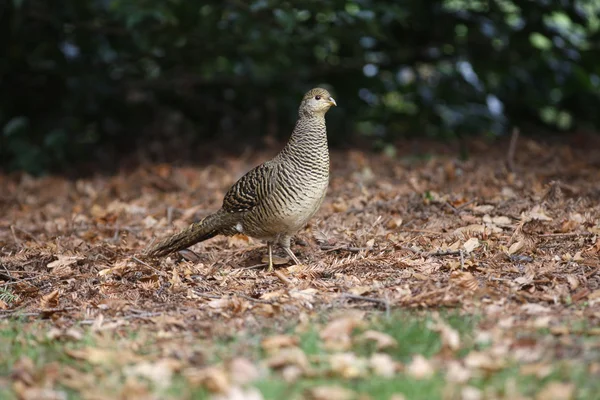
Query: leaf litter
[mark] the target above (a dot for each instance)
(519, 249)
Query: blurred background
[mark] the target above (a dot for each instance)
(91, 82)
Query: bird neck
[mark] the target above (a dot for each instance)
(309, 135)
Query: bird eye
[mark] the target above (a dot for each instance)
(317, 97)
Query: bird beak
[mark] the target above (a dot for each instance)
(332, 101)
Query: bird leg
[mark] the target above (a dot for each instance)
(292, 256)
(284, 242)
(270, 246)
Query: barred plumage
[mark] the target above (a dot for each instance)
(275, 200)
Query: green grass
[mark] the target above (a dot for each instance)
(412, 331)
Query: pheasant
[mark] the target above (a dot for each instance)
(276, 199)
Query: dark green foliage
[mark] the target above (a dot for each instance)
(89, 79)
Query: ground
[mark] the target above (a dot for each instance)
(423, 277)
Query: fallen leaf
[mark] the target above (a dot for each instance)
(238, 393)
(63, 261)
(471, 393)
(573, 282)
(450, 337)
(457, 373)
(535, 309)
(288, 356)
(214, 379)
(465, 280)
(348, 365)
(242, 371)
(100, 356)
(336, 334)
(540, 370)
(420, 368)
(482, 360)
(382, 340)
(276, 342)
(471, 244)
(516, 247)
(330, 393)
(536, 213)
(382, 365)
(556, 391)
(160, 373)
(50, 300)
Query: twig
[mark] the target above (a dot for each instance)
(452, 208)
(207, 295)
(351, 249)
(146, 264)
(570, 234)
(444, 253)
(282, 278)
(422, 231)
(8, 275)
(385, 302)
(468, 203)
(17, 240)
(243, 296)
(19, 280)
(15, 312)
(13, 227)
(143, 315)
(169, 215)
(462, 259)
(512, 148)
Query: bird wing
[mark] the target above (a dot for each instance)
(248, 191)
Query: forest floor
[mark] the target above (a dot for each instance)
(422, 278)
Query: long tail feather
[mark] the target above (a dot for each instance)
(195, 233)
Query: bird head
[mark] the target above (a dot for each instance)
(316, 102)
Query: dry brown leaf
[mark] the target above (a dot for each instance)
(382, 340)
(540, 370)
(360, 290)
(383, 365)
(471, 393)
(457, 373)
(291, 373)
(276, 260)
(99, 356)
(37, 393)
(288, 356)
(276, 342)
(242, 371)
(536, 213)
(214, 379)
(557, 391)
(63, 261)
(330, 393)
(50, 300)
(516, 247)
(482, 360)
(573, 282)
(73, 334)
(471, 244)
(450, 337)
(465, 280)
(160, 373)
(535, 309)
(420, 368)
(348, 365)
(238, 393)
(336, 334)
(119, 269)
